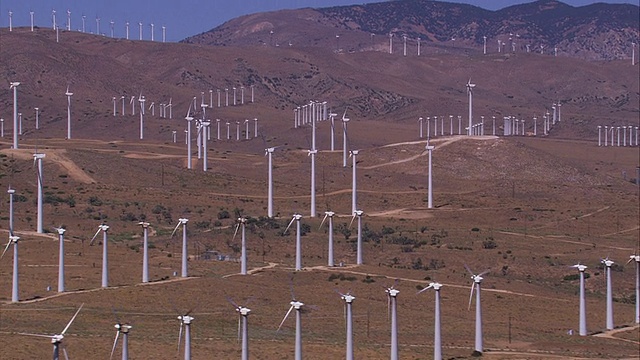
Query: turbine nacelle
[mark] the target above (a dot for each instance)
(13, 84)
(348, 298)
(144, 224)
(607, 262)
(392, 292)
(186, 319)
(243, 311)
(580, 267)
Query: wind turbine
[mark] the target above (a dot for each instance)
(145, 251)
(420, 121)
(354, 191)
(636, 258)
(124, 330)
(53, 18)
(56, 339)
(470, 87)
(185, 321)
(205, 131)
(140, 27)
(133, 105)
(329, 214)
(152, 31)
(14, 85)
(345, 120)
(61, 232)
(607, 263)
(13, 240)
(296, 217)
(31, 17)
(583, 306)
(141, 100)
(313, 153)
(68, 20)
(189, 118)
(105, 265)
(10, 20)
(477, 280)
(11, 191)
(183, 222)
(126, 27)
(333, 127)
(392, 294)
(297, 305)
(358, 213)
(243, 330)
(429, 149)
(269, 152)
(437, 340)
(348, 302)
(242, 222)
(37, 158)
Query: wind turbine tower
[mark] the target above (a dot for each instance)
(429, 149)
(297, 305)
(583, 307)
(145, 251)
(269, 152)
(14, 85)
(477, 280)
(354, 191)
(61, 232)
(313, 153)
(348, 302)
(359, 213)
(183, 222)
(470, 87)
(296, 217)
(242, 222)
(437, 340)
(68, 94)
(185, 321)
(13, 240)
(37, 160)
(636, 258)
(392, 294)
(124, 330)
(607, 263)
(329, 214)
(105, 265)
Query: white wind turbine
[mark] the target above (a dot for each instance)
(31, 18)
(636, 258)
(420, 121)
(333, 127)
(470, 87)
(354, 189)
(583, 307)
(53, 19)
(392, 294)
(185, 321)
(348, 303)
(183, 222)
(296, 217)
(189, 118)
(56, 339)
(297, 305)
(429, 149)
(141, 100)
(61, 232)
(437, 340)
(345, 120)
(37, 160)
(358, 214)
(140, 27)
(14, 85)
(608, 263)
(477, 280)
(329, 214)
(68, 20)
(133, 105)
(242, 222)
(145, 251)
(13, 240)
(124, 330)
(313, 153)
(105, 265)
(205, 131)
(269, 152)
(11, 191)
(243, 329)
(10, 20)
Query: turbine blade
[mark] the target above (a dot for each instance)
(322, 222)
(425, 289)
(71, 321)
(235, 232)
(180, 336)
(285, 318)
(469, 270)
(484, 272)
(175, 229)
(353, 218)
(288, 226)
(37, 335)
(115, 342)
(94, 236)
(5, 249)
(471, 295)
(64, 351)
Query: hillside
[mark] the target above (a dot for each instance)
(598, 31)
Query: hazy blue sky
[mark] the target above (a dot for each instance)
(182, 18)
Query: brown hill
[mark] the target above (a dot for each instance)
(597, 31)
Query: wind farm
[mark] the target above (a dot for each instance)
(514, 211)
